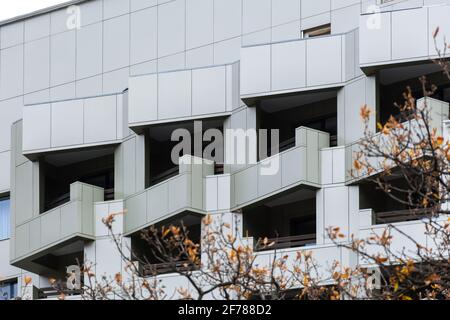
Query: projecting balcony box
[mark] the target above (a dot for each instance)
(183, 95)
(73, 124)
(323, 256)
(402, 232)
(54, 230)
(299, 65)
(401, 36)
(438, 112)
(297, 167)
(180, 194)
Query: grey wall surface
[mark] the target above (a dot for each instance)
(41, 60)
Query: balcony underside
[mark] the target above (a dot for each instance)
(52, 261)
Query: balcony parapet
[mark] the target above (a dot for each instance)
(72, 124)
(438, 112)
(71, 221)
(402, 233)
(299, 65)
(183, 192)
(298, 166)
(401, 36)
(183, 95)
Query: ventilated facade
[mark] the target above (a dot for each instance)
(88, 107)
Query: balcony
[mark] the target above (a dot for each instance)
(295, 167)
(293, 66)
(73, 124)
(51, 231)
(402, 231)
(183, 95)
(176, 195)
(439, 111)
(401, 36)
(371, 217)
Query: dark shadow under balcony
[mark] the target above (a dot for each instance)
(283, 222)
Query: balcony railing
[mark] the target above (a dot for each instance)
(169, 267)
(287, 242)
(50, 292)
(401, 215)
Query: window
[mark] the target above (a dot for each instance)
(4, 218)
(317, 31)
(8, 289)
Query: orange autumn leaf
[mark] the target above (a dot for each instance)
(365, 112)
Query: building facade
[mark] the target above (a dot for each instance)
(91, 92)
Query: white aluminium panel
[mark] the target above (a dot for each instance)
(255, 69)
(208, 90)
(100, 119)
(407, 27)
(36, 127)
(144, 35)
(375, 38)
(37, 65)
(324, 61)
(199, 23)
(174, 95)
(171, 27)
(143, 97)
(289, 65)
(67, 123)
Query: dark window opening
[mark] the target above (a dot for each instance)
(395, 206)
(288, 221)
(158, 145)
(159, 162)
(315, 111)
(317, 31)
(58, 172)
(392, 83)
